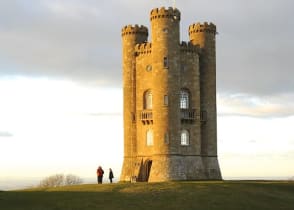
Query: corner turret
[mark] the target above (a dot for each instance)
(204, 36)
(131, 36)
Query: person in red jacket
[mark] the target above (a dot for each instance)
(100, 173)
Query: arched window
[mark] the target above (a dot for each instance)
(184, 99)
(149, 137)
(185, 137)
(148, 100)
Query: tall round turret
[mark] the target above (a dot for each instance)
(204, 36)
(165, 38)
(165, 28)
(131, 35)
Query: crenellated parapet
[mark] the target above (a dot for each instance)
(143, 48)
(198, 27)
(162, 12)
(136, 29)
(189, 47)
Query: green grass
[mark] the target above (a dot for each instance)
(226, 195)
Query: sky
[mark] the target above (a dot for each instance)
(61, 84)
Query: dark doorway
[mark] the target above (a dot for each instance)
(145, 171)
(148, 164)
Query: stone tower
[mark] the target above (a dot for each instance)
(169, 87)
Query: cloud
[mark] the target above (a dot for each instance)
(80, 40)
(256, 106)
(5, 134)
(52, 42)
(254, 56)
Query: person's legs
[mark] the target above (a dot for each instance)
(99, 180)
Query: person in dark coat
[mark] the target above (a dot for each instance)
(100, 173)
(110, 175)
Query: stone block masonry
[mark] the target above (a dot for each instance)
(169, 86)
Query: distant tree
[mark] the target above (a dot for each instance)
(60, 180)
(71, 179)
(52, 181)
(291, 178)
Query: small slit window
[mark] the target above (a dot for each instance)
(165, 100)
(165, 62)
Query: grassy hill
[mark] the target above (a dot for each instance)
(225, 195)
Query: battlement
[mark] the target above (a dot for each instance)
(198, 27)
(189, 47)
(143, 48)
(136, 29)
(162, 12)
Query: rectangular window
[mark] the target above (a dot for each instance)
(149, 138)
(165, 62)
(165, 100)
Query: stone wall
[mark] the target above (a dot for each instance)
(164, 67)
